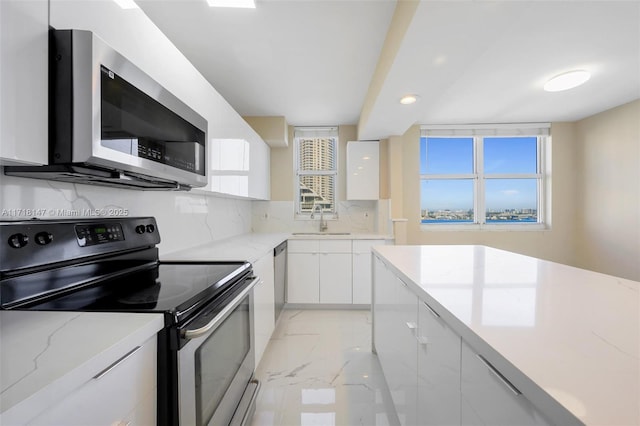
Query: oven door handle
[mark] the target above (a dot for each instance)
(197, 332)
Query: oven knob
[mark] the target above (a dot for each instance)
(150, 228)
(18, 240)
(140, 229)
(43, 238)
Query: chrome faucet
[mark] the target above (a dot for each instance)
(323, 223)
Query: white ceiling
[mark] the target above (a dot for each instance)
(469, 61)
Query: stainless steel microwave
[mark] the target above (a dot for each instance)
(112, 124)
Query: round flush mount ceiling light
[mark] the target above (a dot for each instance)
(409, 99)
(567, 80)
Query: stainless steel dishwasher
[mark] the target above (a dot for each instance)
(280, 276)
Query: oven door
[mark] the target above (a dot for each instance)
(216, 364)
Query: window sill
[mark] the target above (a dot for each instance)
(485, 227)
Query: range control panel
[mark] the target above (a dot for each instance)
(100, 233)
(33, 243)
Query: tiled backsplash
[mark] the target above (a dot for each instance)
(358, 217)
(185, 219)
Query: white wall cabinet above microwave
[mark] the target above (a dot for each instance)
(363, 170)
(24, 29)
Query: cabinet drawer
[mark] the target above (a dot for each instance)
(490, 398)
(302, 246)
(335, 246)
(122, 392)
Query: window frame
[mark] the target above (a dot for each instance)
(478, 133)
(300, 133)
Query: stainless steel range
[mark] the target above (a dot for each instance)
(205, 351)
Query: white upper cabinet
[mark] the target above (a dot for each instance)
(363, 170)
(24, 85)
(135, 36)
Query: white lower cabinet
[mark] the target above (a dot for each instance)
(438, 369)
(361, 258)
(335, 277)
(488, 398)
(122, 393)
(264, 304)
(319, 271)
(303, 279)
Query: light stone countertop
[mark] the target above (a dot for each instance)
(568, 338)
(44, 356)
(253, 246)
(249, 247)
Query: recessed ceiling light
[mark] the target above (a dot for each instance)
(567, 80)
(409, 99)
(127, 4)
(244, 4)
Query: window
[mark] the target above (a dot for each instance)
(482, 175)
(316, 151)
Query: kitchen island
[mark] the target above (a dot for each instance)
(562, 343)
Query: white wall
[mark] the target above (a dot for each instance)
(608, 214)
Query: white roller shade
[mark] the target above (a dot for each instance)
(515, 129)
(316, 132)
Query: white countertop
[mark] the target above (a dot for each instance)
(46, 355)
(337, 236)
(573, 334)
(252, 246)
(249, 247)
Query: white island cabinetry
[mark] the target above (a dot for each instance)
(396, 316)
(484, 388)
(506, 339)
(419, 355)
(438, 370)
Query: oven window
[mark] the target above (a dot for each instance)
(218, 360)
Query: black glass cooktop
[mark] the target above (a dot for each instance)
(173, 288)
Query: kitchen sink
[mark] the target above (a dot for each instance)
(321, 233)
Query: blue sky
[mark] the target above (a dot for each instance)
(501, 155)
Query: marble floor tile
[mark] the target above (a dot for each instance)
(318, 369)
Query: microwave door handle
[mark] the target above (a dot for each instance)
(197, 332)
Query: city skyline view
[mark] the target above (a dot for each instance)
(505, 156)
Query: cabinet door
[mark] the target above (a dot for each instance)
(404, 391)
(24, 85)
(363, 170)
(488, 396)
(362, 270)
(124, 393)
(395, 323)
(382, 307)
(438, 370)
(264, 305)
(335, 278)
(303, 284)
